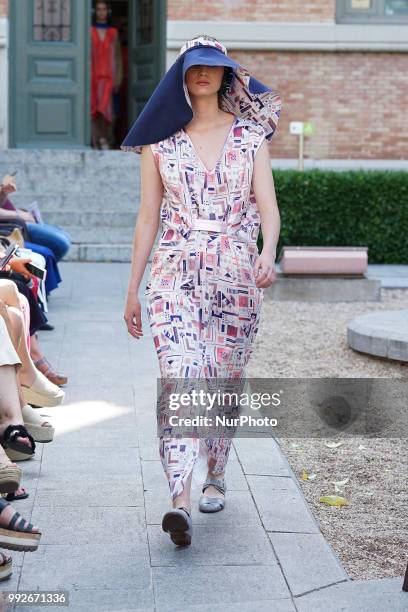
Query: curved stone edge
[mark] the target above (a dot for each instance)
(367, 334)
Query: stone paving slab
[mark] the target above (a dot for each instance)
(281, 505)
(179, 588)
(275, 605)
(357, 596)
(231, 545)
(262, 457)
(98, 566)
(239, 509)
(295, 550)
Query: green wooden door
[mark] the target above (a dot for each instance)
(147, 59)
(49, 73)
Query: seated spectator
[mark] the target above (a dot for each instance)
(51, 241)
(13, 434)
(12, 292)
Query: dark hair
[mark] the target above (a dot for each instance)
(226, 82)
(228, 73)
(108, 6)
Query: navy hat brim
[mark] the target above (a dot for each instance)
(168, 109)
(207, 56)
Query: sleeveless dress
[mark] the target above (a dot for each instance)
(202, 301)
(103, 69)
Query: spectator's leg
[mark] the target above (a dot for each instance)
(53, 237)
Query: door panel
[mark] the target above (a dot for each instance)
(49, 67)
(147, 59)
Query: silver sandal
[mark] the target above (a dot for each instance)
(213, 504)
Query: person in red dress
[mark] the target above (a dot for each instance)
(106, 75)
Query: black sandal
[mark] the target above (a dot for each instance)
(14, 497)
(19, 534)
(9, 439)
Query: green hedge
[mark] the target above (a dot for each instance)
(345, 208)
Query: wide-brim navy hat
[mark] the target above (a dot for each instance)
(169, 107)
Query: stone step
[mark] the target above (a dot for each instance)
(100, 234)
(72, 157)
(100, 252)
(72, 185)
(55, 203)
(93, 195)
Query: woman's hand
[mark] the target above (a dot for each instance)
(8, 185)
(25, 216)
(133, 316)
(264, 269)
(17, 264)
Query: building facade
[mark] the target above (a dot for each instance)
(340, 64)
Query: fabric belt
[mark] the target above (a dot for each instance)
(209, 225)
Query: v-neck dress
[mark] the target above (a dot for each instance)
(203, 305)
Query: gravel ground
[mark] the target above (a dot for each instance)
(370, 533)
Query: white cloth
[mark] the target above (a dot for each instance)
(8, 354)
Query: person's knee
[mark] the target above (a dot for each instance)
(9, 292)
(16, 317)
(62, 245)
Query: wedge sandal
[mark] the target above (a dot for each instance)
(9, 439)
(16, 456)
(10, 477)
(6, 566)
(19, 534)
(34, 423)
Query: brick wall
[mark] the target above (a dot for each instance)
(3, 8)
(355, 101)
(252, 10)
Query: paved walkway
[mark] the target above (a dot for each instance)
(99, 492)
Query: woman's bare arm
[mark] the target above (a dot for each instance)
(264, 191)
(147, 224)
(11, 214)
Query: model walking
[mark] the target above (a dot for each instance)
(207, 176)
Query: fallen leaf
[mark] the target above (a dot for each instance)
(334, 500)
(333, 444)
(305, 476)
(338, 484)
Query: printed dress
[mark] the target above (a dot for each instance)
(202, 301)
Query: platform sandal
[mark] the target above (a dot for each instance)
(35, 425)
(213, 504)
(10, 476)
(9, 439)
(19, 534)
(16, 456)
(6, 566)
(178, 523)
